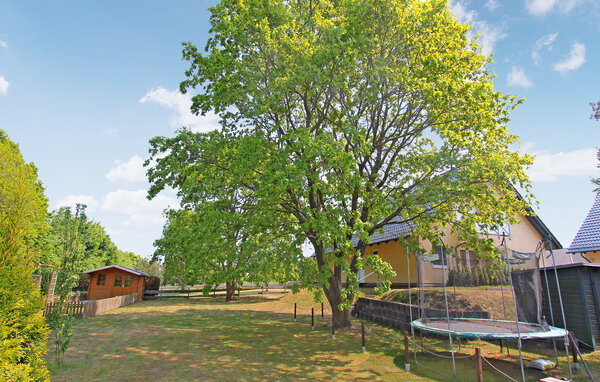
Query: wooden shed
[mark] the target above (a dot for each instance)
(115, 280)
(580, 289)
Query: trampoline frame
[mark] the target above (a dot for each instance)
(551, 332)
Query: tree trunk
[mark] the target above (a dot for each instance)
(341, 318)
(230, 287)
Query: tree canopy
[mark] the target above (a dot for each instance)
(222, 235)
(349, 115)
(95, 249)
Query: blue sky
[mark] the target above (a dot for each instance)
(85, 85)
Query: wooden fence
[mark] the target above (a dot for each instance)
(75, 308)
(95, 307)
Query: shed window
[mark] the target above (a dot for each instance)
(101, 279)
(127, 282)
(118, 281)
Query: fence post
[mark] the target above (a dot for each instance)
(574, 346)
(478, 365)
(362, 333)
(406, 352)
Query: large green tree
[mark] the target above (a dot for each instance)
(350, 115)
(23, 220)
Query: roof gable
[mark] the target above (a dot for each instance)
(126, 269)
(588, 237)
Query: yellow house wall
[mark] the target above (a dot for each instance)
(394, 253)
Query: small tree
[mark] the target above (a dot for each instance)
(61, 319)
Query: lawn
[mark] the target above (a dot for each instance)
(252, 339)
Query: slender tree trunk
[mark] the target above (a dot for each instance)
(230, 287)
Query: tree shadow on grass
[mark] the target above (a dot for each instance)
(191, 344)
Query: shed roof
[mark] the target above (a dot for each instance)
(126, 269)
(588, 237)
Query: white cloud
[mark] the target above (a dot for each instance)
(544, 41)
(3, 44)
(131, 171)
(541, 7)
(72, 200)
(110, 132)
(517, 77)
(575, 59)
(181, 104)
(139, 210)
(3, 85)
(492, 5)
(489, 34)
(551, 167)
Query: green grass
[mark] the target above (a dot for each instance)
(253, 339)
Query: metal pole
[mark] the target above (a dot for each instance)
(294, 312)
(447, 313)
(312, 318)
(406, 352)
(512, 290)
(562, 309)
(541, 244)
(502, 290)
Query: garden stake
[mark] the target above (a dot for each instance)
(294, 312)
(312, 318)
(332, 328)
(406, 352)
(362, 333)
(479, 366)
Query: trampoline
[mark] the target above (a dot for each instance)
(486, 329)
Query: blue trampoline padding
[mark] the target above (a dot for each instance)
(486, 329)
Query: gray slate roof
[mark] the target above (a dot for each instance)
(588, 236)
(391, 231)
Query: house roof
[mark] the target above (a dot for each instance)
(588, 236)
(126, 269)
(391, 231)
